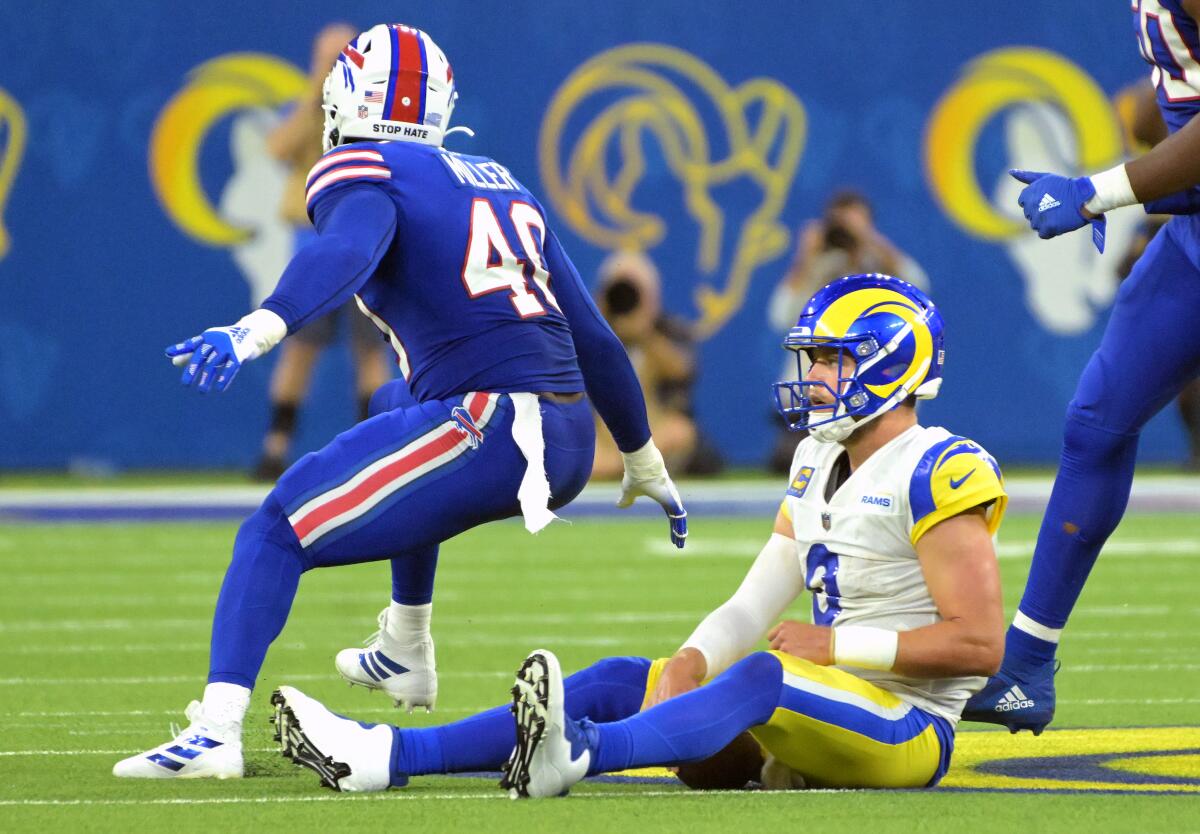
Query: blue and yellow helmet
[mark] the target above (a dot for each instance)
(890, 346)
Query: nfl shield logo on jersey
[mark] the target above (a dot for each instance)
(826, 520)
(362, 111)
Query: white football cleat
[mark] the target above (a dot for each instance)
(346, 754)
(406, 672)
(552, 751)
(203, 750)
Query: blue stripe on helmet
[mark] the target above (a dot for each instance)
(424, 80)
(390, 98)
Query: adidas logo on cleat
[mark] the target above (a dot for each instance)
(1014, 699)
(1048, 203)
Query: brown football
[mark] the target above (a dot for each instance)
(731, 768)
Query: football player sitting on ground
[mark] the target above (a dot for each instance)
(496, 347)
(889, 524)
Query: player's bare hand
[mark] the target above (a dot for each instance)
(811, 642)
(683, 673)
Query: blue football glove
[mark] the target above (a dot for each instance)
(646, 474)
(213, 358)
(1052, 204)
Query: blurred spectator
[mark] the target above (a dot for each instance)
(844, 241)
(297, 143)
(663, 353)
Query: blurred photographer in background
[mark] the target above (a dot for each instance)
(843, 241)
(662, 350)
(297, 143)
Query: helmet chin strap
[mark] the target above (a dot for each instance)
(844, 425)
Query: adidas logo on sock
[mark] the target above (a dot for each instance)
(1048, 203)
(1013, 699)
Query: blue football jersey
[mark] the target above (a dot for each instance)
(1169, 41)
(463, 293)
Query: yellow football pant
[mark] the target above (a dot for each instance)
(837, 730)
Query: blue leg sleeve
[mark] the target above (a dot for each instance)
(1123, 386)
(608, 690)
(256, 595)
(412, 575)
(696, 725)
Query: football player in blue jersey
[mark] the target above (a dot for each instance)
(1107, 413)
(887, 523)
(497, 339)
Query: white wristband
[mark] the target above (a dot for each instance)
(266, 328)
(1112, 190)
(865, 647)
(645, 463)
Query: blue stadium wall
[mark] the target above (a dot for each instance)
(728, 124)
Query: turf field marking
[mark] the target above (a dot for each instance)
(1126, 611)
(132, 648)
(1140, 548)
(744, 549)
(397, 796)
(171, 679)
(1131, 634)
(133, 713)
(1157, 702)
(174, 648)
(600, 617)
(1136, 667)
(1157, 651)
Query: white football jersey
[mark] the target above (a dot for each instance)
(858, 548)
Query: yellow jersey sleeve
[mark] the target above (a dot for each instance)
(952, 477)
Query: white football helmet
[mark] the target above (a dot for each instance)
(392, 82)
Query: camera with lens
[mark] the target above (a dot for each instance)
(838, 236)
(621, 297)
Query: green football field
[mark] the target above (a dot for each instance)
(103, 641)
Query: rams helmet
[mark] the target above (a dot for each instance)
(890, 346)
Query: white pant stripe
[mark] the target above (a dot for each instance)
(853, 699)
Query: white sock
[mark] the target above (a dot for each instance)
(225, 705)
(1023, 622)
(407, 624)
